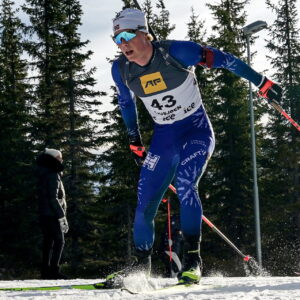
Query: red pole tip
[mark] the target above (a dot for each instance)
(247, 258)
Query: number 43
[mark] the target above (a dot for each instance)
(169, 102)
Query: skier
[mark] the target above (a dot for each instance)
(52, 211)
(161, 74)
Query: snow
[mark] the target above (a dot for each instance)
(215, 288)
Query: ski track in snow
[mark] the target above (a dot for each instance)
(216, 288)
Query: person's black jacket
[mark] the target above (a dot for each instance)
(51, 193)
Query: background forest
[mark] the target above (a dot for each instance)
(48, 99)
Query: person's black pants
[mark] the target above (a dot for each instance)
(53, 241)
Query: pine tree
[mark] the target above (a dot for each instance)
(159, 22)
(282, 142)
(16, 177)
(196, 30)
(44, 51)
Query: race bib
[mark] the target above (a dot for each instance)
(171, 105)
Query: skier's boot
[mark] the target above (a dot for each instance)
(192, 263)
(141, 262)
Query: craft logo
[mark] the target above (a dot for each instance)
(151, 161)
(152, 83)
(192, 156)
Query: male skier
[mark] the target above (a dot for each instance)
(161, 75)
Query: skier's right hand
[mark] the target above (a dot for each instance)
(63, 223)
(270, 90)
(138, 150)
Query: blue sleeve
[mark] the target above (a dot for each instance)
(126, 102)
(191, 54)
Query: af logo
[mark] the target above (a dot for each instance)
(151, 161)
(152, 83)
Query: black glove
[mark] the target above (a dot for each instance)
(270, 90)
(138, 150)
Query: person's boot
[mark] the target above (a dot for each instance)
(45, 272)
(192, 263)
(141, 262)
(56, 274)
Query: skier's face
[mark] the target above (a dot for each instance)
(136, 49)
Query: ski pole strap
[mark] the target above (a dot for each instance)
(138, 150)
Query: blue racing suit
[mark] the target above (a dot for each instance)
(183, 138)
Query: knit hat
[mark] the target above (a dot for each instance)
(130, 18)
(53, 152)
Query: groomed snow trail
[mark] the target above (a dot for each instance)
(215, 288)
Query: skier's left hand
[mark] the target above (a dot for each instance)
(270, 90)
(138, 151)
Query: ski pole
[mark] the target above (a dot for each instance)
(169, 228)
(276, 105)
(215, 229)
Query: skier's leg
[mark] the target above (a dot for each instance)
(156, 174)
(193, 160)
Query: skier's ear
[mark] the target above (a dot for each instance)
(149, 37)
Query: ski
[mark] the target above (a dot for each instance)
(91, 286)
(104, 286)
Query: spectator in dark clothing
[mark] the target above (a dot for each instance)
(52, 211)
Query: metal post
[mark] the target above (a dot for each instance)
(255, 185)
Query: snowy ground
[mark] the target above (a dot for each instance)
(216, 288)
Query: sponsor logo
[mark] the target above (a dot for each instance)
(151, 161)
(192, 156)
(189, 108)
(164, 113)
(168, 118)
(152, 83)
